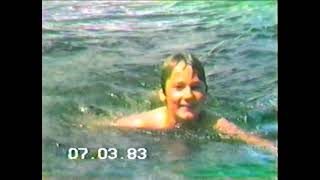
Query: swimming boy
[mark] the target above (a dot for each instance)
(184, 92)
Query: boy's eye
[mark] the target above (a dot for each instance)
(197, 87)
(179, 86)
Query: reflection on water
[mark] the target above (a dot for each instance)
(101, 60)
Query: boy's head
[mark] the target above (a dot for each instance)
(172, 61)
(184, 87)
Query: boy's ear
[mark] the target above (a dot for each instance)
(162, 96)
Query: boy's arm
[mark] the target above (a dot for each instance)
(228, 128)
(129, 122)
(126, 122)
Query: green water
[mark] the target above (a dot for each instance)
(101, 59)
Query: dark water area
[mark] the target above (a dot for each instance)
(101, 59)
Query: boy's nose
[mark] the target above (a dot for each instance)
(187, 94)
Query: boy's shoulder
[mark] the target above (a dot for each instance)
(158, 113)
(157, 116)
(153, 119)
(146, 114)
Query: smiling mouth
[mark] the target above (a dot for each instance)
(189, 107)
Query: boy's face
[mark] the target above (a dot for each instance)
(185, 93)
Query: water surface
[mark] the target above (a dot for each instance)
(101, 59)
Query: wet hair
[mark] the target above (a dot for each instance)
(173, 60)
